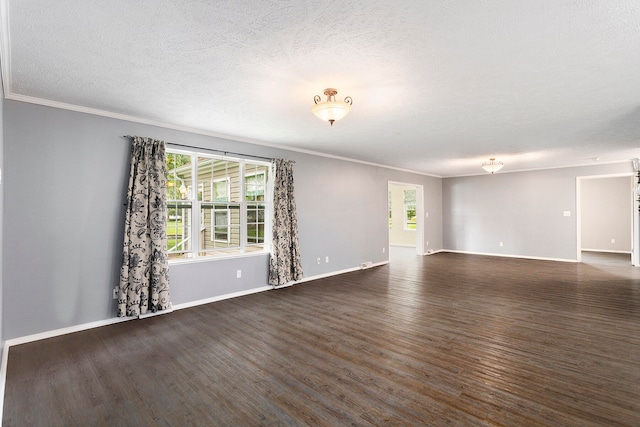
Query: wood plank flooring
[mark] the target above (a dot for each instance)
(447, 339)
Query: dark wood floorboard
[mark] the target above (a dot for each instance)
(447, 339)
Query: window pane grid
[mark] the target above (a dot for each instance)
(410, 209)
(228, 199)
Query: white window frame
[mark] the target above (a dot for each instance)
(213, 224)
(196, 205)
(405, 210)
(227, 180)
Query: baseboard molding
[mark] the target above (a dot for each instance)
(432, 252)
(332, 273)
(510, 256)
(605, 251)
(64, 331)
(3, 375)
(221, 297)
(107, 322)
(85, 326)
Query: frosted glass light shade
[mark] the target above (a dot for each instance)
(492, 166)
(331, 110)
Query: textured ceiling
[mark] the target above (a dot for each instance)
(437, 86)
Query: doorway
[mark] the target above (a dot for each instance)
(406, 218)
(606, 218)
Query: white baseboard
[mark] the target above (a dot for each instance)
(82, 327)
(432, 252)
(510, 256)
(3, 375)
(64, 331)
(221, 297)
(106, 322)
(332, 273)
(605, 251)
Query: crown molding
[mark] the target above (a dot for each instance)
(5, 48)
(135, 119)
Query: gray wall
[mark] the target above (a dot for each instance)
(524, 210)
(606, 206)
(67, 175)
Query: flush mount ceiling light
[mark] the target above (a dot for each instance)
(331, 110)
(492, 166)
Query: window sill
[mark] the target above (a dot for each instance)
(217, 258)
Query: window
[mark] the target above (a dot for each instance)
(410, 209)
(230, 205)
(390, 208)
(255, 184)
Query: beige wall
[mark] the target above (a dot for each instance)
(606, 205)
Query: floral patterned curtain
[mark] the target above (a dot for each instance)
(144, 276)
(284, 263)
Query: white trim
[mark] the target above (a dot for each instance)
(611, 175)
(332, 273)
(106, 322)
(220, 257)
(63, 331)
(5, 47)
(154, 314)
(578, 209)
(509, 256)
(579, 165)
(431, 252)
(91, 325)
(605, 251)
(3, 376)
(196, 131)
(221, 297)
(635, 225)
(97, 112)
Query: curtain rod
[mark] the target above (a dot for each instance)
(214, 149)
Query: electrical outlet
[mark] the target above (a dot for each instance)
(238, 274)
(384, 250)
(613, 240)
(318, 260)
(427, 243)
(500, 244)
(115, 293)
(326, 260)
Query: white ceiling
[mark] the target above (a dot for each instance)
(437, 86)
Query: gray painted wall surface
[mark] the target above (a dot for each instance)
(67, 174)
(606, 207)
(524, 210)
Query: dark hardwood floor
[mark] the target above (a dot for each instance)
(447, 339)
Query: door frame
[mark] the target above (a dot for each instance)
(420, 214)
(635, 220)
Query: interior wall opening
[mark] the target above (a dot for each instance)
(406, 219)
(606, 226)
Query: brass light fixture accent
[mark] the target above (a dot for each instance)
(331, 110)
(492, 166)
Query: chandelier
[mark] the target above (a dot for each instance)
(492, 166)
(331, 110)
